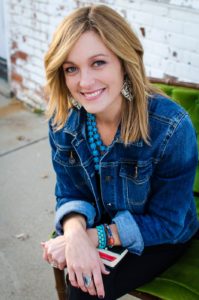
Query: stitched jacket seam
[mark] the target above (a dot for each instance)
(171, 130)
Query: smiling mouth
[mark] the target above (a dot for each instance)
(93, 95)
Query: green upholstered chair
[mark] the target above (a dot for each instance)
(181, 280)
(178, 282)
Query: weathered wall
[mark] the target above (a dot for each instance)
(168, 29)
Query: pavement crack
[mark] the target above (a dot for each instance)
(24, 146)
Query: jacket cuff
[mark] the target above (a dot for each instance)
(129, 233)
(81, 207)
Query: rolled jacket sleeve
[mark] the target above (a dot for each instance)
(129, 232)
(77, 206)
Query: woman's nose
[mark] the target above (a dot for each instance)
(86, 79)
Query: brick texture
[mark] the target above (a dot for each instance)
(168, 29)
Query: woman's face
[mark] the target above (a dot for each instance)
(94, 75)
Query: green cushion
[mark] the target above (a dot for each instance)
(167, 89)
(185, 96)
(193, 111)
(196, 181)
(165, 290)
(180, 281)
(53, 235)
(197, 205)
(194, 115)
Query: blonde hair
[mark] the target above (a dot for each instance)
(118, 36)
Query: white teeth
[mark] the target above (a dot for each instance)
(90, 95)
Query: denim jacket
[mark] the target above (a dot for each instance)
(145, 189)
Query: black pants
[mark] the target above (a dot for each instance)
(133, 271)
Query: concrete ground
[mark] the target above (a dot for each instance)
(27, 204)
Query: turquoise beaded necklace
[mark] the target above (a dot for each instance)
(96, 145)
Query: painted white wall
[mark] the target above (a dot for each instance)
(171, 40)
(3, 39)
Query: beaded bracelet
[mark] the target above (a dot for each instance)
(110, 238)
(101, 237)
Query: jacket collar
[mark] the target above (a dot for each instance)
(76, 123)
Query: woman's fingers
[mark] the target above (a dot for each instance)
(54, 252)
(83, 260)
(45, 251)
(83, 280)
(104, 270)
(97, 278)
(80, 281)
(89, 283)
(88, 280)
(98, 282)
(72, 278)
(61, 266)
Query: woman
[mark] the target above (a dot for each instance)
(124, 155)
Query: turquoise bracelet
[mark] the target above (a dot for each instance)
(101, 237)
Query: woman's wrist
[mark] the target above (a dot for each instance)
(92, 234)
(74, 222)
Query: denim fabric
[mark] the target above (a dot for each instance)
(146, 189)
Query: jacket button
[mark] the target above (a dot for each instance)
(71, 161)
(71, 158)
(108, 178)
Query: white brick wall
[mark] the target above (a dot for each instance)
(171, 40)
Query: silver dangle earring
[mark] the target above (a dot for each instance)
(127, 90)
(75, 103)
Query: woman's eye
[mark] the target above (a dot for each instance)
(70, 70)
(99, 63)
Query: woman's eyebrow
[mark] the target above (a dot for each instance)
(96, 55)
(90, 58)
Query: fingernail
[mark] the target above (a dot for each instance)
(101, 297)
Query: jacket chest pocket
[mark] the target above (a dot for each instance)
(69, 163)
(136, 183)
(67, 158)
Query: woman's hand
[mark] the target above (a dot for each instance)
(92, 234)
(54, 252)
(54, 249)
(82, 258)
